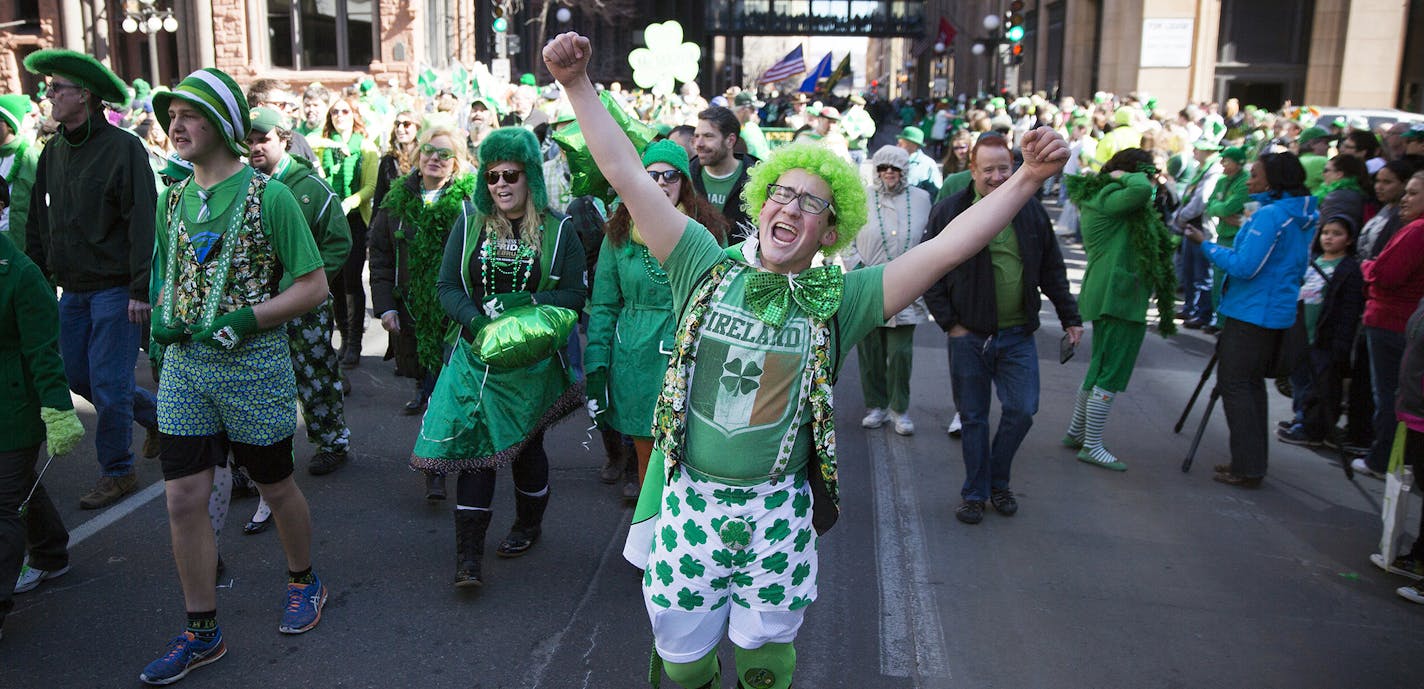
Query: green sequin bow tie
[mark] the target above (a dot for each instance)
(817, 290)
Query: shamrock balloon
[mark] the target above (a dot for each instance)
(666, 59)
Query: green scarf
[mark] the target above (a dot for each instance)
(1151, 245)
(340, 164)
(429, 227)
(1342, 183)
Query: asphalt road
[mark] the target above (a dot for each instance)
(1152, 578)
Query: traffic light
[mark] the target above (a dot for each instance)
(501, 21)
(1016, 54)
(1014, 22)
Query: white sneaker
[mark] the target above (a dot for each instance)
(1360, 467)
(954, 426)
(875, 418)
(1413, 593)
(30, 577)
(903, 424)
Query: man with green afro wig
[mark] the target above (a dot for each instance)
(727, 540)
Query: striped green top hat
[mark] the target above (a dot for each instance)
(218, 97)
(81, 69)
(13, 108)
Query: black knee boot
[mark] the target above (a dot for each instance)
(470, 527)
(615, 457)
(351, 334)
(529, 515)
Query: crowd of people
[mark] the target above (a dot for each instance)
(722, 272)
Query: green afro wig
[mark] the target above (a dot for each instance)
(516, 145)
(848, 196)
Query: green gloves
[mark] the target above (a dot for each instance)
(227, 330)
(166, 336)
(499, 303)
(477, 324)
(62, 429)
(595, 389)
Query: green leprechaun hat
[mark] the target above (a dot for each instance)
(81, 69)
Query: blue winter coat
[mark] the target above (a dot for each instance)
(1266, 265)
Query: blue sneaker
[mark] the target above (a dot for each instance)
(185, 654)
(304, 602)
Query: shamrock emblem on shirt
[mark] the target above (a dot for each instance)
(741, 378)
(735, 534)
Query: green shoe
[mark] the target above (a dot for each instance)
(1115, 465)
(1072, 443)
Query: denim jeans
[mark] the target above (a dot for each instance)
(99, 346)
(1009, 362)
(1386, 351)
(41, 530)
(1196, 282)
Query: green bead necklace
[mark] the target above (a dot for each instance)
(656, 274)
(517, 264)
(885, 241)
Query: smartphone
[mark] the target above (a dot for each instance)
(1066, 348)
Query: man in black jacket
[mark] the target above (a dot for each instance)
(989, 308)
(90, 229)
(719, 174)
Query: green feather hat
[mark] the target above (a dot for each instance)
(81, 69)
(516, 145)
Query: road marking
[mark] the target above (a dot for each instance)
(911, 637)
(115, 513)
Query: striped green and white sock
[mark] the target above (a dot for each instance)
(1074, 437)
(1096, 418)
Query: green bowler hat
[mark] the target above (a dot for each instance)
(81, 69)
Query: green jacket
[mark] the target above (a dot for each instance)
(31, 374)
(630, 333)
(1227, 199)
(1314, 170)
(21, 178)
(322, 210)
(1112, 285)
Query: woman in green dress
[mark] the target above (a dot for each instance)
(630, 317)
(506, 252)
(1129, 261)
(350, 161)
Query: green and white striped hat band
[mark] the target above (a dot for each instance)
(219, 98)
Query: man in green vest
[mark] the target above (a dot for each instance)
(19, 156)
(226, 238)
(314, 361)
(1196, 276)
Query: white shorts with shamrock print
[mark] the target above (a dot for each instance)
(718, 545)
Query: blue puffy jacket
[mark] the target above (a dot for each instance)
(1266, 265)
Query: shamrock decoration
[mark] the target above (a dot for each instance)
(691, 567)
(694, 534)
(672, 504)
(776, 563)
(669, 535)
(733, 497)
(687, 599)
(666, 59)
(664, 572)
(773, 594)
(799, 574)
(741, 377)
(695, 501)
(779, 529)
(735, 534)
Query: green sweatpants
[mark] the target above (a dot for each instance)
(885, 358)
(1115, 344)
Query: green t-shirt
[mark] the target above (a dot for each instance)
(748, 374)
(282, 220)
(719, 187)
(1008, 278)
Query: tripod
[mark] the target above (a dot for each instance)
(1206, 416)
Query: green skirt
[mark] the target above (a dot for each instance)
(482, 417)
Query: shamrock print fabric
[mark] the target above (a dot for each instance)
(717, 544)
(319, 384)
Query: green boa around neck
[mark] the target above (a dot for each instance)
(1151, 245)
(341, 172)
(429, 227)
(1342, 183)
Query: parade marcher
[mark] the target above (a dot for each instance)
(349, 163)
(408, 237)
(225, 237)
(483, 119)
(765, 358)
(751, 134)
(19, 156)
(314, 361)
(1196, 272)
(277, 95)
(630, 315)
(505, 252)
(988, 307)
(718, 173)
(858, 127)
(1129, 255)
(1263, 267)
(896, 222)
(922, 171)
(90, 229)
(398, 159)
(316, 100)
(34, 545)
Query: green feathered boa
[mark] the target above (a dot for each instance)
(1151, 245)
(426, 244)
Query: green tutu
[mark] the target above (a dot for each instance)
(482, 417)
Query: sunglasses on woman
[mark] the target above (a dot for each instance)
(665, 176)
(510, 176)
(340, 111)
(404, 123)
(441, 153)
(886, 168)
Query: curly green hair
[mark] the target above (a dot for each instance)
(847, 194)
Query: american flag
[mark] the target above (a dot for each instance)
(787, 67)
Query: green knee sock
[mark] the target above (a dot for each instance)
(768, 667)
(703, 672)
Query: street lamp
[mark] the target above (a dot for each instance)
(142, 16)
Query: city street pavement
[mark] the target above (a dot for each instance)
(1152, 578)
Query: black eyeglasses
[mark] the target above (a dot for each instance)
(887, 168)
(441, 153)
(510, 176)
(810, 203)
(55, 87)
(665, 176)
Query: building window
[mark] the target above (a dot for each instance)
(331, 34)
